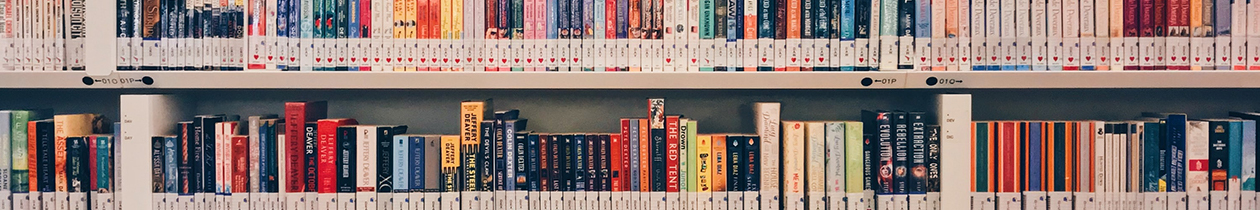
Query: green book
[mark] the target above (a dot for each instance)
(853, 157)
(690, 164)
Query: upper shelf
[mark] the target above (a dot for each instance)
(636, 80)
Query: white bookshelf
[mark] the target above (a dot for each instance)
(635, 80)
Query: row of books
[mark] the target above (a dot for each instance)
(309, 161)
(653, 35)
(1159, 161)
(57, 161)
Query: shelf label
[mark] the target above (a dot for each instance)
(887, 81)
(934, 81)
(89, 81)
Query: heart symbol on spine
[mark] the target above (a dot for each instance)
(923, 59)
(353, 59)
(1089, 58)
(1240, 58)
(1209, 59)
(1054, 58)
(1008, 58)
(939, 59)
(1183, 58)
(668, 60)
(951, 59)
(456, 60)
(820, 59)
(575, 59)
(1257, 59)
(255, 56)
(269, 57)
(1159, 58)
(1023, 58)
(793, 59)
(1224, 58)
(1070, 59)
(410, 59)
(564, 59)
(445, 60)
(1146, 58)
(1132, 58)
(504, 60)
(387, 60)
(1039, 58)
(806, 59)
(553, 60)
(291, 59)
(1117, 59)
(964, 59)
(516, 60)
(341, 59)
(859, 59)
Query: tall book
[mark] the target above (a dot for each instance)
(297, 114)
(656, 127)
(794, 138)
(327, 150)
(472, 113)
(672, 136)
(766, 118)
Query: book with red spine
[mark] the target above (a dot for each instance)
(671, 153)
(1009, 161)
(1159, 31)
(1132, 28)
(1146, 32)
(297, 114)
(240, 164)
(327, 150)
(617, 156)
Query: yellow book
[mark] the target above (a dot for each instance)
(705, 165)
(457, 32)
(645, 154)
(400, 32)
(409, 34)
(471, 115)
(65, 126)
(450, 163)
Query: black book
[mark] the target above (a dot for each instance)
(486, 157)
(900, 151)
(346, 142)
(385, 156)
(918, 153)
(933, 159)
(554, 177)
(1218, 153)
(579, 162)
(877, 132)
(203, 152)
(532, 170)
(752, 176)
(44, 135)
(311, 155)
(566, 165)
(498, 155)
(159, 175)
(605, 163)
(521, 180)
(658, 159)
(77, 166)
(735, 163)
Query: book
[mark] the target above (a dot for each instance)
(297, 114)
(767, 124)
(329, 137)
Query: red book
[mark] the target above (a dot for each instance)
(1159, 28)
(1010, 160)
(327, 132)
(32, 154)
(296, 114)
(671, 153)
(615, 160)
(626, 157)
(1132, 25)
(616, 144)
(240, 164)
(91, 143)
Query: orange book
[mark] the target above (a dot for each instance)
(65, 126)
(719, 163)
(645, 157)
(32, 155)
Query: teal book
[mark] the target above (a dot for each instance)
(1248, 178)
(1152, 163)
(1235, 152)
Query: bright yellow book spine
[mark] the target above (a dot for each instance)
(447, 18)
(409, 47)
(705, 166)
(450, 163)
(718, 178)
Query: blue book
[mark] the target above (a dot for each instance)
(846, 28)
(355, 32)
(531, 150)
(1248, 177)
(579, 162)
(1235, 152)
(104, 163)
(416, 166)
(170, 168)
(264, 157)
(1035, 156)
(402, 152)
(1153, 149)
(1175, 134)
(634, 155)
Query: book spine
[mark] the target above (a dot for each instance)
(416, 160)
(500, 153)
(767, 124)
(933, 156)
(900, 152)
(18, 137)
(1036, 152)
(450, 154)
(1175, 129)
(633, 156)
(471, 118)
(671, 153)
(918, 153)
(345, 157)
(906, 30)
(1198, 146)
(977, 28)
(981, 158)
(240, 164)
(617, 157)
(521, 179)
(718, 176)
(327, 156)
(159, 167)
(686, 149)
(366, 152)
(752, 168)
(853, 154)
(385, 159)
(1218, 154)
(534, 153)
(77, 165)
(704, 157)
(577, 164)
(794, 138)
(169, 166)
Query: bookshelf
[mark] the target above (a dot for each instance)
(636, 81)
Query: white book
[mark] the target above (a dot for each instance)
(1037, 36)
(1036, 200)
(767, 123)
(923, 59)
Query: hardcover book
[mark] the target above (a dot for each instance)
(297, 114)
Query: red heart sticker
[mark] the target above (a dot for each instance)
(951, 59)
(575, 59)
(353, 59)
(1008, 58)
(1039, 58)
(1256, 59)
(456, 60)
(806, 59)
(291, 59)
(859, 59)
(553, 60)
(1117, 59)
(964, 59)
(341, 59)
(529, 60)
(994, 58)
(255, 56)
(1146, 58)
(1132, 58)
(922, 59)
(939, 60)
(1224, 58)
(667, 60)
(1054, 58)
(820, 59)
(410, 59)
(444, 60)
(1088, 57)
(318, 60)
(387, 60)
(793, 59)
(1023, 58)
(1240, 58)
(1070, 59)
(1209, 59)
(269, 57)
(517, 60)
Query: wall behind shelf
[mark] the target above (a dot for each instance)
(435, 111)
(63, 101)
